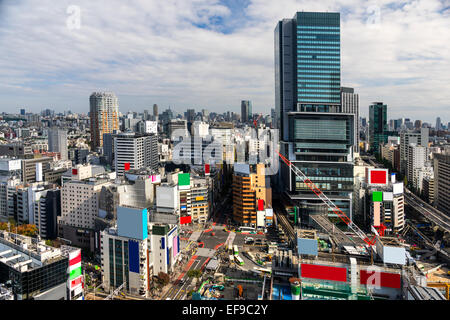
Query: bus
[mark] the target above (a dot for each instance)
(247, 229)
(231, 258)
(235, 250)
(239, 260)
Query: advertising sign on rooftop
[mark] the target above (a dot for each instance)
(184, 180)
(378, 176)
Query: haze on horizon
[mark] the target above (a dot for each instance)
(213, 54)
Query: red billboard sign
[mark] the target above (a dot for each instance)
(74, 171)
(185, 220)
(260, 205)
(384, 279)
(207, 169)
(126, 166)
(378, 176)
(315, 271)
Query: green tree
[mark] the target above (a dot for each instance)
(163, 278)
(196, 273)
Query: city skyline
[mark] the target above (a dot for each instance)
(214, 54)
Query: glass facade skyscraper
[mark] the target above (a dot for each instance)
(317, 134)
(378, 127)
(318, 57)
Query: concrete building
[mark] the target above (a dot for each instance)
(34, 169)
(57, 142)
(251, 193)
(39, 272)
(417, 156)
(135, 151)
(177, 126)
(429, 189)
(47, 207)
(442, 182)
(104, 116)
(419, 138)
(350, 104)
(134, 251)
(149, 127)
(79, 208)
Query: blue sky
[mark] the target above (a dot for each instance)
(213, 54)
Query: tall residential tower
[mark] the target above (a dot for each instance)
(104, 114)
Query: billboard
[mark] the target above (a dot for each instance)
(207, 169)
(377, 196)
(133, 256)
(260, 204)
(378, 176)
(132, 222)
(387, 280)
(315, 271)
(126, 166)
(167, 196)
(397, 188)
(185, 219)
(388, 196)
(307, 246)
(184, 180)
(260, 218)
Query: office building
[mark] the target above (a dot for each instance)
(314, 134)
(419, 138)
(442, 182)
(378, 130)
(57, 142)
(246, 111)
(135, 151)
(104, 116)
(428, 189)
(251, 193)
(36, 271)
(350, 104)
(79, 208)
(417, 156)
(438, 124)
(155, 112)
(47, 207)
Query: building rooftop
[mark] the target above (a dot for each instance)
(25, 253)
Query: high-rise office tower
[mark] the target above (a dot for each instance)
(350, 104)
(104, 114)
(246, 111)
(146, 115)
(314, 134)
(155, 111)
(378, 130)
(438, 124)
(57, 142)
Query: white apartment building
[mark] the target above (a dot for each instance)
(79, 202)
(417, 156)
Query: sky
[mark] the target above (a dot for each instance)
(214, 53)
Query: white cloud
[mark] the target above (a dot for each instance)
(154, 52)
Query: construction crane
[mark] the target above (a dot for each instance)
(255, 122)
(330, 204)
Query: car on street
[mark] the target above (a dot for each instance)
(249, 239)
